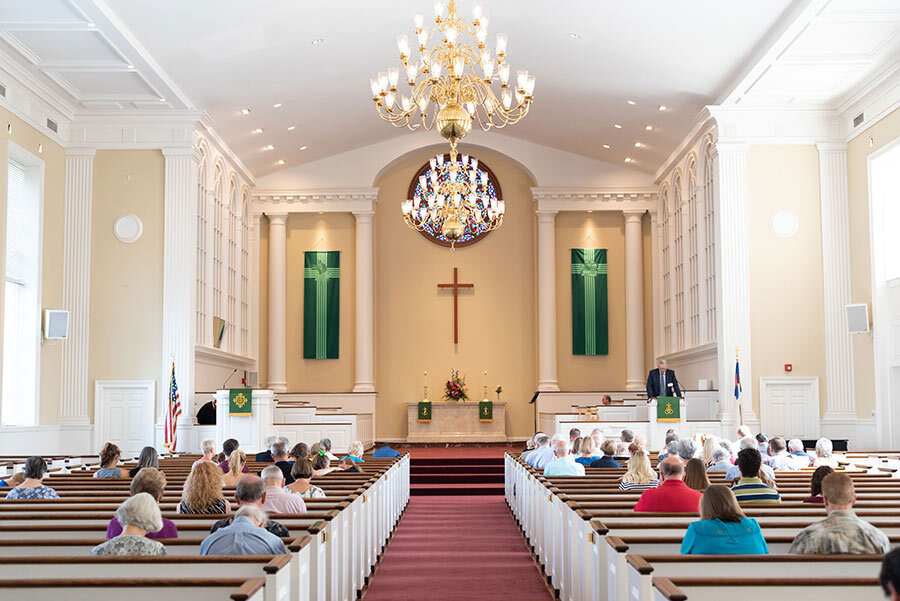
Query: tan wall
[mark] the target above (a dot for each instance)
(330, 231)
(126, 279)
(787, 313)
(414, 321)
(858, 151)
(54, 159)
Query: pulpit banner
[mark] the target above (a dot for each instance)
(668, 409)
(424, 411)
(240, 402)
(321, 304)
(486, 411)
(590, 306)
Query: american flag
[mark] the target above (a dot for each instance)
(737, 386)
(172, 413)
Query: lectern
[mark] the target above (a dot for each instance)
(250, 430)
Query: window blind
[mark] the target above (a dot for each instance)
(16, 225)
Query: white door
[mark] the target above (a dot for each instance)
(789, 407)
(123, 414)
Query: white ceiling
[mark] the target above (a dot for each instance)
(121, 56)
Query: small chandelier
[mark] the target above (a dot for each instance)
(450, 197)
(457, 77)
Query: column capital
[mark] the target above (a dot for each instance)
(277, 218)
(181, 151)
(633, 216)
(731, 147)
(653, 215)
(80, 152)
(545, 216)
(364, 216)
(839, 147)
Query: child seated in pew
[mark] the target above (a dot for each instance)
(153, 482)
(33, 487)
(109, 458)
(723, 528)
(139, 515)
(349, 465)
(13, 481)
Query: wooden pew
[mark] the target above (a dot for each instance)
(137, 589)
(740, 589)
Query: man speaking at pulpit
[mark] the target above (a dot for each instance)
(662, 382)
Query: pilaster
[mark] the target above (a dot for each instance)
(365, 295)
(277, 301)
(634, 300)
(547, 378)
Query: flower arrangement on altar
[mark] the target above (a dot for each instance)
(498, 391)
(455, 388)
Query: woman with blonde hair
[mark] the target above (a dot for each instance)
(355, 452)
(203, 491)
(723, 528)
(588, 451)
(236, 464)
(639, 475)
(709, 446)
(695, 475)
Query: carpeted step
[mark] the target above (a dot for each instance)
(417, 461)
(455, 489)
(462, 468)
(448, 479)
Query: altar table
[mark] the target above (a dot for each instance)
(456, 422)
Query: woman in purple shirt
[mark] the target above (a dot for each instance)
(152, 481)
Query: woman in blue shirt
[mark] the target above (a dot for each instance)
(723, 528)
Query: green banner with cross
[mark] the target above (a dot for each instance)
(424, 411)
(486, 411)
(668, 409)
(321, 304)
(590, 305)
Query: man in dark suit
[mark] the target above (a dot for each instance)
(662, 382)
(266, 456)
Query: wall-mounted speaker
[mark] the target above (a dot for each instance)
(253, 379)
(858, 318)
(56, 324)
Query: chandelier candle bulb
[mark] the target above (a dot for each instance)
(419, 21)
(438, 8)
(403, 45)
(477, 11)
(501, 44)
(394, 77)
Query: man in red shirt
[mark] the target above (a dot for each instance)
(672, 494)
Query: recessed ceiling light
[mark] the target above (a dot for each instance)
(606, 146)
(317, 41)
(649, 128)
(304, 147)
(292, 128)
(617, 126)
(574, 35)
(258, 130)
(277, 105)
(129, 67)
(91, 24)
(627, 159)
(270, 147)
(638, 145)
(281, 161)
(162, 99)
(245, 111)
(631, 102)
(663, 107)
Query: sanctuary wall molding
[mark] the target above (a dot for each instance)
(777, 125)
(33, 102)
(875, 101)
(595, 199)
(349, 200)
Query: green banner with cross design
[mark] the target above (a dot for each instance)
(590, 305)
(668, 409)
(486, 411)
(321, 304)
(424, 411)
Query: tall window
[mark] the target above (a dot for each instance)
(202, 276)
(693, 259)
(709, 230)
(218, 245)
(21, 307)
(245, 274)
(678, 263)
(666, 275)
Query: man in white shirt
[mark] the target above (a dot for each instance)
(778, 458)
(564, 464)
(801, 457)
(742, 432)
(734, 473)
(542, 455)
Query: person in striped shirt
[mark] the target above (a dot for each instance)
(750, 488)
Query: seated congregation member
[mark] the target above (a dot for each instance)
(237, 469)
(138, 515)
(890, 575)
(109, 459)
(282, 460)
(529, 447)
(321, 465)
(587, 452)
(208, 450)
(723, 528)
(229, 447)
(203, 491)
(742, 433)
(597, 435)
(695, 475)
(348, 465)
(721, 460)
(687, 449)
(606, 400)
(639, 475)
(710, 444)
(33, 486)
(672, 494)
(152, 482)
(750, 488)
(246, 535)
(815, 485)
(266, 456)
(622, 452)
(277, 500)
(609, 451)
(148, 458)
(302, 485)
(734, 472)
(778, 458)
(574, 434)
(626, 436)
(576, 446)
(542, 455)
(801, 457)
(563, 465)
(842, 531)
(251, 490)
(823, 454)
(641, 441)
(13, 481)
(762, 442)
(326, 444)
(671, 447)
(355, 451)
(300, 450)
(384, 452)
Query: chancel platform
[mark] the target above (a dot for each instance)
(456, 422)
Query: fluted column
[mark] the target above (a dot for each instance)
(547, 379)
(840, 402)
(277, 301)
(179, 278)
(634, 300)
(733, 265)
(77, 286)
(656, 280)
(365, 295)
(254, 288)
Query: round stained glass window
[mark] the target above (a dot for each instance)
(487, 193)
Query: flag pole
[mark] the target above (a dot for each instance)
(738, 388)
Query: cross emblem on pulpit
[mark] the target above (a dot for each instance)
(455, 286)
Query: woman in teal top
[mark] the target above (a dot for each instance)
(723, 528)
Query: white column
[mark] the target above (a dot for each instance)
(655, 287)
(547, 301)
(254, 288)
(277, 301)
(77, 287)
(365, 294)
(733, 263)
(179, 279)
(634, 300)
(840, 402)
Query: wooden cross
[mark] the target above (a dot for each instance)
(455, 286)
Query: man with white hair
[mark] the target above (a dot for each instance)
(245, 536)
(662, 382)
(778, 457)
(823, 454)
(542, 455)
(266, 456)
(721, 460)
(734, 471)
(277, 500)
(800, 457)
(208, 448)
(564, 464)
(742, 433)
(251, 490)
(672, 494)
(281, 457)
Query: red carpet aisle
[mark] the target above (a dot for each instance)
(457, 548)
